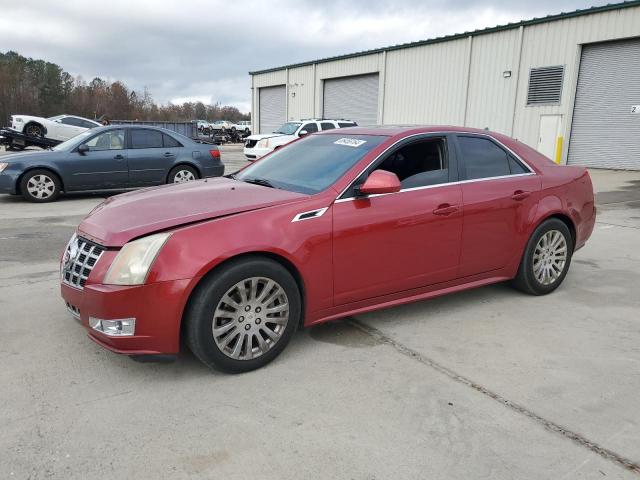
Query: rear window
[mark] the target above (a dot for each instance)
(312, 164)
(346, 125)
(169, 141)
(483, 158)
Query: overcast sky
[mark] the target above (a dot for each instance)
(202, 50)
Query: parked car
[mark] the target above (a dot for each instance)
(61, 127)
(109, 158)
(257, 146)
(243, 127)
(335, 224)
(221, 125)
(203, 126)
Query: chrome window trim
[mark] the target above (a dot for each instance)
(435, 134)
(350, 199)
(318, 212)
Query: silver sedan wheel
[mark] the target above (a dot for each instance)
(250, 318)
(41, 186)
(183, 176)
(550, 257)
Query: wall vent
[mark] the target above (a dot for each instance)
(545, 85)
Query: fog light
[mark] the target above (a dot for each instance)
(123, 327)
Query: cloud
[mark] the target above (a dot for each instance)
(199, 49)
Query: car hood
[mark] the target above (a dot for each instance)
(266, 135)
(122, 218)
(28, 157)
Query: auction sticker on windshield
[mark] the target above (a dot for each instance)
(350, 142)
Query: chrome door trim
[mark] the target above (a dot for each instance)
(350, 199)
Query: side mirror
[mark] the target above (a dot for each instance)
(303, 133)
(82, 149)
(380, 181)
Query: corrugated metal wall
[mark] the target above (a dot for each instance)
(491, 95)
(427, 84)
(462, 81)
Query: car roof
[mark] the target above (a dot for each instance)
(393, 130)
(147, 127)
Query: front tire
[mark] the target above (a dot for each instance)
(241, 317)
(182, 174)
(546, 259)
(40, 186)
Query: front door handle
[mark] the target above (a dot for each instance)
(520, 195)
(445, 209)
(118, 157)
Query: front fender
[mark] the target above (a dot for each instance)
(195, 250)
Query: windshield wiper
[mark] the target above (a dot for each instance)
(260, 181)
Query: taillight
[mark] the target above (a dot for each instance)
(215, 154)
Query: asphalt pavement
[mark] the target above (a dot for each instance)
(487, 383)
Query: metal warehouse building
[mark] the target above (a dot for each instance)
(567, 84)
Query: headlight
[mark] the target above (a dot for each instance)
(18, 120)
(3, 166)
(133, 262)
(264, 143)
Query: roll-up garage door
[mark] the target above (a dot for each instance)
(352, 98)
(272, 108)
(605, 132)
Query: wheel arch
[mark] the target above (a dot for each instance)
(35, 122)
(564, 218)
(38, 167)
(280, 259)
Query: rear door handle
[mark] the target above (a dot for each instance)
(118, 157)
(169, 154)
(445, 209)
(520, 195)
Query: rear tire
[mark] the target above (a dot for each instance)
(241, 317)
(40, 186)
(546, 258)
(182, 174)
(34, 130)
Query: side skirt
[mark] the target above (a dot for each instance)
(400, 298)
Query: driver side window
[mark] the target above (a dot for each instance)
(419, 164)
(111, 140)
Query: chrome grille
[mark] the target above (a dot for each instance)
(80, 257)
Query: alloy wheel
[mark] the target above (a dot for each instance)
(250, 318)
(41, 186)
(550, 257)
(34, 131)
(183, 176)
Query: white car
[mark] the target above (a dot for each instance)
(243, 126)
(257, 146)
(61, 127)
(221, 125)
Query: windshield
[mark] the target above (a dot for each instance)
(72, 142)
(312, 164)
(288, 128)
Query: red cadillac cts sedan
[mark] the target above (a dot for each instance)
(337, 223)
